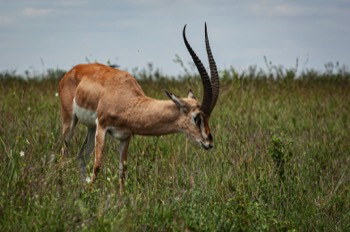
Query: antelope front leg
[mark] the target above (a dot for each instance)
(123, 153)
(99, 144)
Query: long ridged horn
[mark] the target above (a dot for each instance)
(208, 93)
(215, 83)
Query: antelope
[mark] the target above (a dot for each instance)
(108, 100)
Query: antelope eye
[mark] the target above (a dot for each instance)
(197, 120)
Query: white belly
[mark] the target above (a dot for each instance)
(88, 118)
(118, 133)
(85, 116)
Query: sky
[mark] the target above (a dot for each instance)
(37, 35)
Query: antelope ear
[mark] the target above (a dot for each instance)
(191, 94)
(183, 106)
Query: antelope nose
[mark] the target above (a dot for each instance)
(209, 146)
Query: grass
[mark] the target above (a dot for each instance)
(281, 161)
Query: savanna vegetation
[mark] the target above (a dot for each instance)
(281, 160)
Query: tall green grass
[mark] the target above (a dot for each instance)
(281, 161)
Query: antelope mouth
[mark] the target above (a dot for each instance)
(206, 146)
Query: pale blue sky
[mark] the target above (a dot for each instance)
(38, 34)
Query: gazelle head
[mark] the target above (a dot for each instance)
(194, 119)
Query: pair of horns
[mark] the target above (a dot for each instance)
(211, 86)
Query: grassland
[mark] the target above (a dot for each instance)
(281, 161)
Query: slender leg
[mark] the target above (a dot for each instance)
(123, 152)
(99, 144)
(85, 151)
(68, 128)
(69, 121)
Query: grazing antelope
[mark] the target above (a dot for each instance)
(108, 100)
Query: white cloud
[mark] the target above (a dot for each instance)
(138, 31)
(75, 3)
(270, 9)
(36, 12)
(298, 9)
(5, 21)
